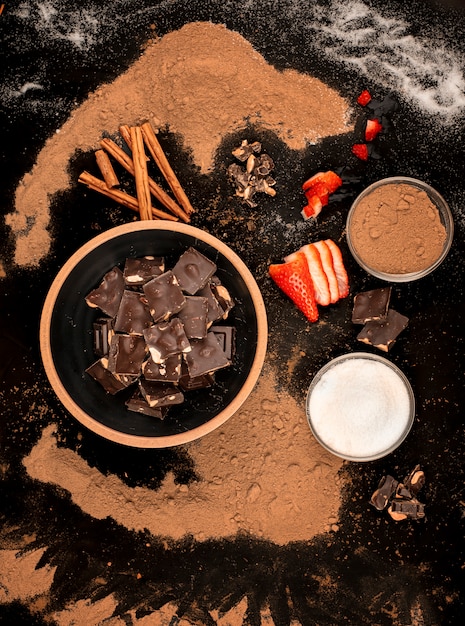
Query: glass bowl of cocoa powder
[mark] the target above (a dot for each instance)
(399, 229)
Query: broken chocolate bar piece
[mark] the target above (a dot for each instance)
(406, 509)
(133, 315)
(382, 495)
(99, 371)
(107, 296)
(222, 295)
(206, 356)
(371, 305)
(226, 336)
(166, 339)
(193, 270)
(189, 383)
(164, 296)
(160, 394)
(102, 334)
(194, 316)
(168, 371)
(127, 352)
(382, 334)
(214, 309)
(415, 481)
(138, 404)
(140, 270)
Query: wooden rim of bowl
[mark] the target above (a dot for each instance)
(136, 440)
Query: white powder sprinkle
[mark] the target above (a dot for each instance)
(359, 408)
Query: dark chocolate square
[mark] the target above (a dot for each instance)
(214, 309)
(166, 339)
(383, 333)
(226, 336)
(102, 333)
(127, 352)
(168, 371)
(206, 356)
(138, 404)
(371, 305)
(140, 270)
(223, 296)
(194, 316)
(107, 296)
(164, 296)
(160, 394)
(193, 270)
(133, 315)
(99, 371)
(189, 383)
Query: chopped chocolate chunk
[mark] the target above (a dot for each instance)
(140, 270)
(168, 371)
(382, 495)
(189, 383)
(166, 339)
(243, 152)
(214, 309)
(226, 336)
(138, 404)
(194, 316)
(222, 295)
(164, 296)
(371, 305)
(107, 296)
(415, 480)
(99, 371)
(160, 394)
(206, 356)
(127, 352)
(406, 509)
(382, 334)
(133, 314)
(102, 334)
(193, 270)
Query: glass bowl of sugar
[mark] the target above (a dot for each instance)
(399, 229)
(360, 407)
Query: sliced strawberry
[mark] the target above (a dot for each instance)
(339, 269)
(313, 208)
(294, 279)
(361, 151)
(327, 262)
(372, 130)
(364, 98)
(319, 278)
(330, 179)
(318, 189)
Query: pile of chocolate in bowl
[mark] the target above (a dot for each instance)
(160, 333)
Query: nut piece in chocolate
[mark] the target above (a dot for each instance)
(371, 305)
(193, 270)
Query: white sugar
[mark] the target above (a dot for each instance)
(359, 408)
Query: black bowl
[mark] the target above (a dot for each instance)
(66, 337)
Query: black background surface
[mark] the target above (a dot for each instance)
(380, 570)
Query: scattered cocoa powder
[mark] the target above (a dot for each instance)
(221, 88)
(397, 229)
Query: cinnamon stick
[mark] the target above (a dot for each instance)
(106, 168)
(125, 160)
(123, 198)
(126, 135)
(139, 158)
(160, 159)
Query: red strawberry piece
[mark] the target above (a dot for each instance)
(364, 98)
(361, 151)
(313, 208)
(372, 130)
(327, 262)
(294, 279)
(319, 278)
(339, 268)
(330, 179)
(320, 190)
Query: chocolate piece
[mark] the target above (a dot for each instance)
(164, 296)
(226, 336)
(127, 352)
(222, 295)
(133, 314)
(386, 489)
(189, 383)
(139, 271)
(160, 394)
(371, 305)
(193, 315)
(415, 480)
(168, 371)
(138, 404)
(214, 310)
(102, 333)
(382, 334)
(406, 509)
(100, 372)
(107, 296)
(193, 270)
(166, 339)
(206, 356)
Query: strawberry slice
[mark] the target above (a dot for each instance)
(294, 279)
(339, 269)
(320, 190)
(313, 208)
(319, 278)
(372, 130)
(364, 98)
(330, 179)
(327, 263)
(361, 151)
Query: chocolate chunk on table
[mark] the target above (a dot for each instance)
(193, 270)
(164, 296)
(102, 333)
(140, 270)
(127, 352)
(371, 305)
(166, 339)
(138, 404)
(406, 509)
(133, 315)
(386, 489)
(168, 371)
(107, 296)
(226, 336)
(160, 394)
(383, 333)
(194, 317)
(415, 481)
(206, 356)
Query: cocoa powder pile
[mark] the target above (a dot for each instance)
(397, 229)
